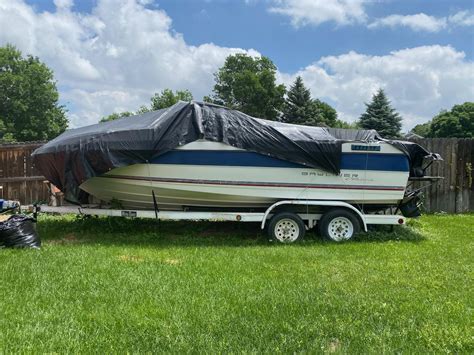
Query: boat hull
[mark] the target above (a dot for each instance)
(196, 179)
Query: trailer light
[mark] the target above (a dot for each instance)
(401, 221)
(238, 217)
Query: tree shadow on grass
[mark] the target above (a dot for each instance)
(147, 232)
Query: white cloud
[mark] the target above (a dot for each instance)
(316, 12)
(418, 22)
(114, 58)
(462, 18)
(343, 12)
(423, 22)
(63, 4)
(420, 81)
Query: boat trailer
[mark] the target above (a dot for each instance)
(339, 222)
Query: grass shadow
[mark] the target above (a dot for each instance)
(382, 233)
(122, 231)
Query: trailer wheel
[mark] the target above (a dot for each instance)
(339, 225)
(286, 227)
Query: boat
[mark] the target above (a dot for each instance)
(213, 174)
(200, 156)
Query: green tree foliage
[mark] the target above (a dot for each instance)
(327, 114)
(159, 101)
(346, 125)
(459, 122)
(248, 84)
(29, 105)
(208, 99)
(143, 109)
(381, 116)
(168, 98)
(3, 129)
(300, 108)
(115, 116)
(423, 130)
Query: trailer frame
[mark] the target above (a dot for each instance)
(310, 219)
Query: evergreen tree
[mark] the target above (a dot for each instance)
(381, 116)
(298, 105)
(300, 108)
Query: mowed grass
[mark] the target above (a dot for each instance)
(115, 285)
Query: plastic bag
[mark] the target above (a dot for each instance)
(19, 231)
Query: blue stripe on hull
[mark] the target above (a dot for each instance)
(349, 161)
(223, 157)
(374, 161)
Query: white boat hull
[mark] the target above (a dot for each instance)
(178, 186)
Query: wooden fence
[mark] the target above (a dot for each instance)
(20, 180)
(455, 193)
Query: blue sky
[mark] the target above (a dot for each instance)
(234, 23)
(111, 55)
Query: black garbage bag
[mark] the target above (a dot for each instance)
(19, 231)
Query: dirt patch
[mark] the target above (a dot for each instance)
(230, 228)
(334, 346)
(172, 261)
(68, 239)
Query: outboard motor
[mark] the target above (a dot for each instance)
(410, 206)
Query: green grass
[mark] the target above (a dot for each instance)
(114, 285)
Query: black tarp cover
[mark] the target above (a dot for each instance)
(79, 154)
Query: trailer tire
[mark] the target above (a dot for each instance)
(339, 225)
(286, 227)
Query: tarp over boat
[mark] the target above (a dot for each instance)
(79, 154)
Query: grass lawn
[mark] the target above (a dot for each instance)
(114, 285)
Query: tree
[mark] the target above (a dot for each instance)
(298, 107)
(346, 125)
(459, 122)
(248, 84)
(115, 116)
(423, 129)
(158, 101)
(4, 136)
(167, 98)
(3, 129)
(327, 114)
(143, 109)
(29, 105)
(381, 116)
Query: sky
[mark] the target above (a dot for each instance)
(112, 55)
